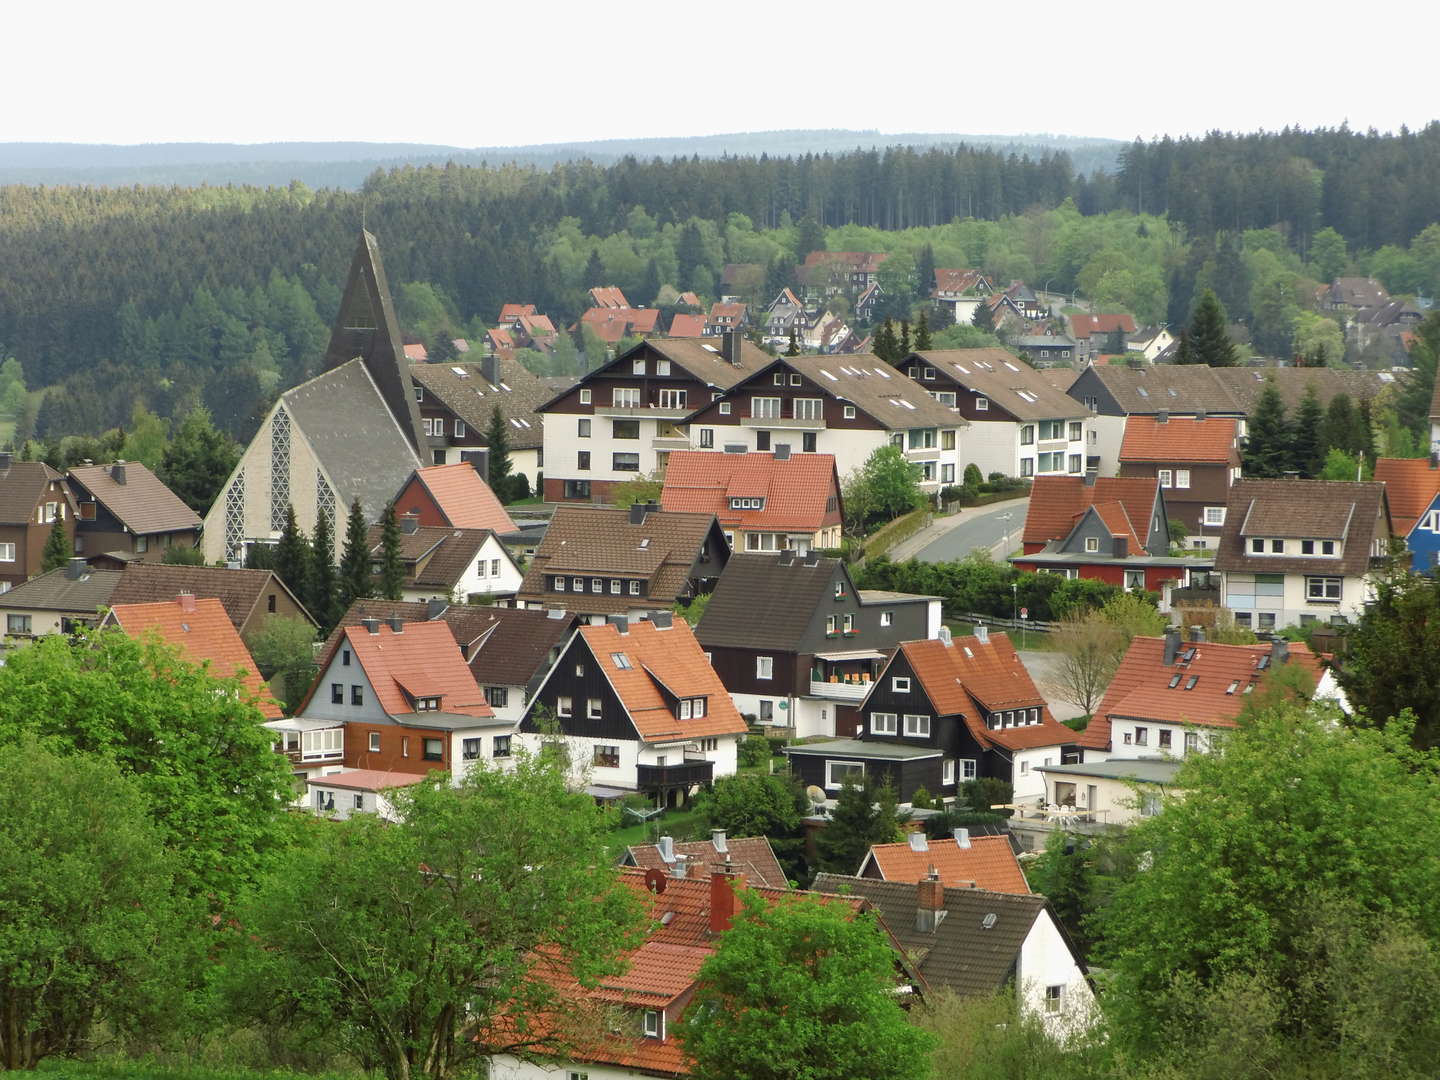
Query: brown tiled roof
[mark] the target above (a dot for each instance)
(1057, 502)
(796, 489)
(1356, 513)
(464, 390)
(1224, 675)
(1005, 379)
(22, 487)
(877, 389)
(57, 591)
(1187, 388)
(1210, 441)
(601, 541)
(703, 360)
(671, 658)
(142, 503)
(749, 855)
(687, 326)
(988, 863)
(464, 498)
(958, 281)
(1411, 485)
(238, 590)
(435, 557)
(1358, 292)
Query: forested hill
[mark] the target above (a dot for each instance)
(346, 165)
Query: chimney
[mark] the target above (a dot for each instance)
(1090, 475)
(75, 569)
(962, 839)
(187, 602)
(490, 369)
(666, 846)
(730, 347)
(782, 451)
(1120, 546)
(1197, 635)
(717, 841)
(117, 472)
(1200, 412)
(6, 459)
(944, 635)
(679, 868)
(662, 620)
(1172, 644)
(397, 624)
(371, 624)
(1279, 651)
(409, 523)
(1162, 416)
(929, 903)
(724, 884)
(982, 635)
(918, 841)
(620, 622)
(435, 607)
(637, 513)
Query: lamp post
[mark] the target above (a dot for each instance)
(1046, 291)
(1015, 609)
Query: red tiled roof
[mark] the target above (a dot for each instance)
(750, 855)
(687, 326)
(422, 656)
(956, 280)
(1141, 687)
(1181, 440)
(868, 261)
(1056, 503)
(611, 323)
(514, 311)
(1411, 485)
(500, 338)
(416, 353)
(464, 498)
(671, 657)
(608, 296)
(203, 633)
(1082, 326)
(989, 862)
(796, 490)
(366, 779)
(732, 312)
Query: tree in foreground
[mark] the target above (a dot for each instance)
(802, 988)
(355, 580)
(1268, 447)
(391, 585)
(402, 941)
(1298, 811)
(885, 487)
(865, 814)
(188, 736)
(57, 551)
(198, 460)
(88, 932)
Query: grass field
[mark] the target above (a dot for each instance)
(681, 824)
(139, 1070)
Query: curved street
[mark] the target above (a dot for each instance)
(995, 529)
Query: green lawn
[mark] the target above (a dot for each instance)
(136, 1070)
(681, 824)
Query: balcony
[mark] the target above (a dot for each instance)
(681, 775)
(924, 453)
(670, 442)
(642, 412)
(838, 691)
(777, 422)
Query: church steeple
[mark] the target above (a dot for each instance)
(366, 327)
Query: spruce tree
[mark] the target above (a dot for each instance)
(864, 815)
(794, 348)
(902, 345)
(1342, 429)
(649, 285)
(1268, 446)
(984, 318)
(1208, 338)
(1306, 458)
(497, 437)
(594, 270)
(324, 599)
(885, 342)
(925, 272)
(442, 349)
(292, 557)
(1184, 354)
(356, 580)
(392, 566)
(198, 460)
(922, 334)
(57, 548)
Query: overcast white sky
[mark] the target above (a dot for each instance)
(483, 74)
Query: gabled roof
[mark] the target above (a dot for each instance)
(464, 498)
(703, 359)
(203, 633)
(671, 658)
(58, 591)
(877, 389)
(239, 591)
(1352, 512)
(514, 311)
(466, 392)
(750, 855)
(435, 556)
(1208, 441)
(1411, 485)
(797, 490)
(866, 261)
(23, 485)
(731, 312)
(423, 658)
(1003, 378)
(987, 863)
(416, 354)
(686, 326)
(766, 600)
(1082, 326)
(1058, 502)
(963, 953)
(136, 496)
(957, 281)
(608, 296)
(1358, 292)
(1223, 676)
(1233, 391)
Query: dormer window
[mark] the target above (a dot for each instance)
(747, 504)
(427, 704)
(839, 590)
(654, 1024)
(690, 708)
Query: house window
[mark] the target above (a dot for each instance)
(1257, 546)
(887, 618)
(577, 489)
(1142, 736)
(1164, 736)
(614, 586)
(1277, 547)
(470, 749)
(724, 408)
(625, 429)
(1149, 803)
(606, 757)
(637, 367)
(849, 412)
(1166, 478)
(497, 696)
(583, 427)
(836, 772)
(1182, 478)
(947, 439)
(917, 726)
(654, 1024)
(1027, 467)
(592, 708)
(1135, 580)
(374, 742)
(1192, 742)
(359, 802)
(337, 693)
(1092, 543)
(562, 706)
(808, 408)
(502, 746)
(1325, 590)
(766, 408)
(671, 399)
(1053, 998)
(559, 584)
(779, 378)
(762, 440)
(142, 543)
(433, 749)
(807, 442)
(707, 438)
(764, 667)
(982, 404)
(1076, 434)
(767, 711)
(584, 397)
(625, 462)
(662, 367)
(1027, 435)
(404, 745)
(1214, 515)
(900, 684)
(357, 695)
(967, 769)
(634, 588)
(625, 397)
(459, 429)
(947, 772)
(883, 723)
(1074, 463)
(344, 653)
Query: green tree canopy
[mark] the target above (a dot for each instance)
(1268, 446)
(355, 580)
(865, 814)
(391, 584)
(198, 460)
(1392, 654)
(497, 440)
(885, 487)
(57, 550)
(322, 579)
(285, 647)
(1207, 339)
(293, 557)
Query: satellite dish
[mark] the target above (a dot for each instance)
(655, 881)
(815, 794)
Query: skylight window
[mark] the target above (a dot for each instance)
(1011, 366)
(882, 373)
(962, 369)
(644, 542)
(1190, 682)
(1234, 685)
(505, 388)
(621, 660)
(1143, 391)
(461, 372)
(827, 375)
(1175, 680)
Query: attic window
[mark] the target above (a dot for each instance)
(644, 542)
(1234, 685)
(1190, 682)
(461, 372)
(1175, 680)
(621, 660)
(427, 704)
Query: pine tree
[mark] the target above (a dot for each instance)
(594, 270)
(1184, 354)
(794, 348)
(392, 566)
(984, 318)
(885, 342)
(922, 333)
(1343, 428)
(1208, 339)
(292, 556)
(1268, 447)
(57, 548)
(810, 237)
(497, 438)
(864, 815)
(442, 349)
(356, 580)
(925, 272)
(902, 345)
(649, 285)
(1306, 458)
(324, 599)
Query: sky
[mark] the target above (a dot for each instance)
(481, 74)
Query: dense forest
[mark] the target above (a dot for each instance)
(218, 296)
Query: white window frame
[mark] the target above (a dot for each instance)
(833, 784)
(917, 725)
(625, 397)
(1322, 594)
(884, 723)
(849, 412)
(7, 552)
(1215, 515)
(900, 684)
(1092, 543)
(592, 708)
(1182, 478)
(1167, 477)
(764, 667)
(564, 705)
(585, 396)
(947, 772)
(724, 408)
(765, 408)
(968, 770)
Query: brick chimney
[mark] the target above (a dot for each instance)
(929, 902)
(187, 602)
(409, 523)
(725, 885)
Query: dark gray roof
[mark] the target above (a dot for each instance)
(464, 390)
(1006, 380)
(345, 420)
(765, 601)
(1184, 388)
(22, 487)
(1141, 770)
(57, 592)
(835, 748)
(961, 954)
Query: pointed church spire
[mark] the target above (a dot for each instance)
(367, 328)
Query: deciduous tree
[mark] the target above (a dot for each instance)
(1088, 649)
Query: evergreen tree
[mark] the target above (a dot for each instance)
(442, 349)
(392, 566)
(198, 460)
(984, 318)
(594, 270)
(324, 599)
(1306, 458)
(810, 237)
(794, 347)
(902, 344)
(864, 815)
(497, 438)
(57, 548)
(886, 345)
(925, 272)
(356, 580)
(1208, 339)
(1268, 446)
(922, 333)
(1343, 429)
(293, 557)
(1184, 354)
(649, 285)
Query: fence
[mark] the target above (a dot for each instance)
(1003, 624)
(902, 528)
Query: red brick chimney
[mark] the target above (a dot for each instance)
(724, 897)
(187, 602)
(929, 902)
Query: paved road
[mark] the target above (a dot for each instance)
(986, 530)
(1044, 669)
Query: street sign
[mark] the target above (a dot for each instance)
(1024, 613)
